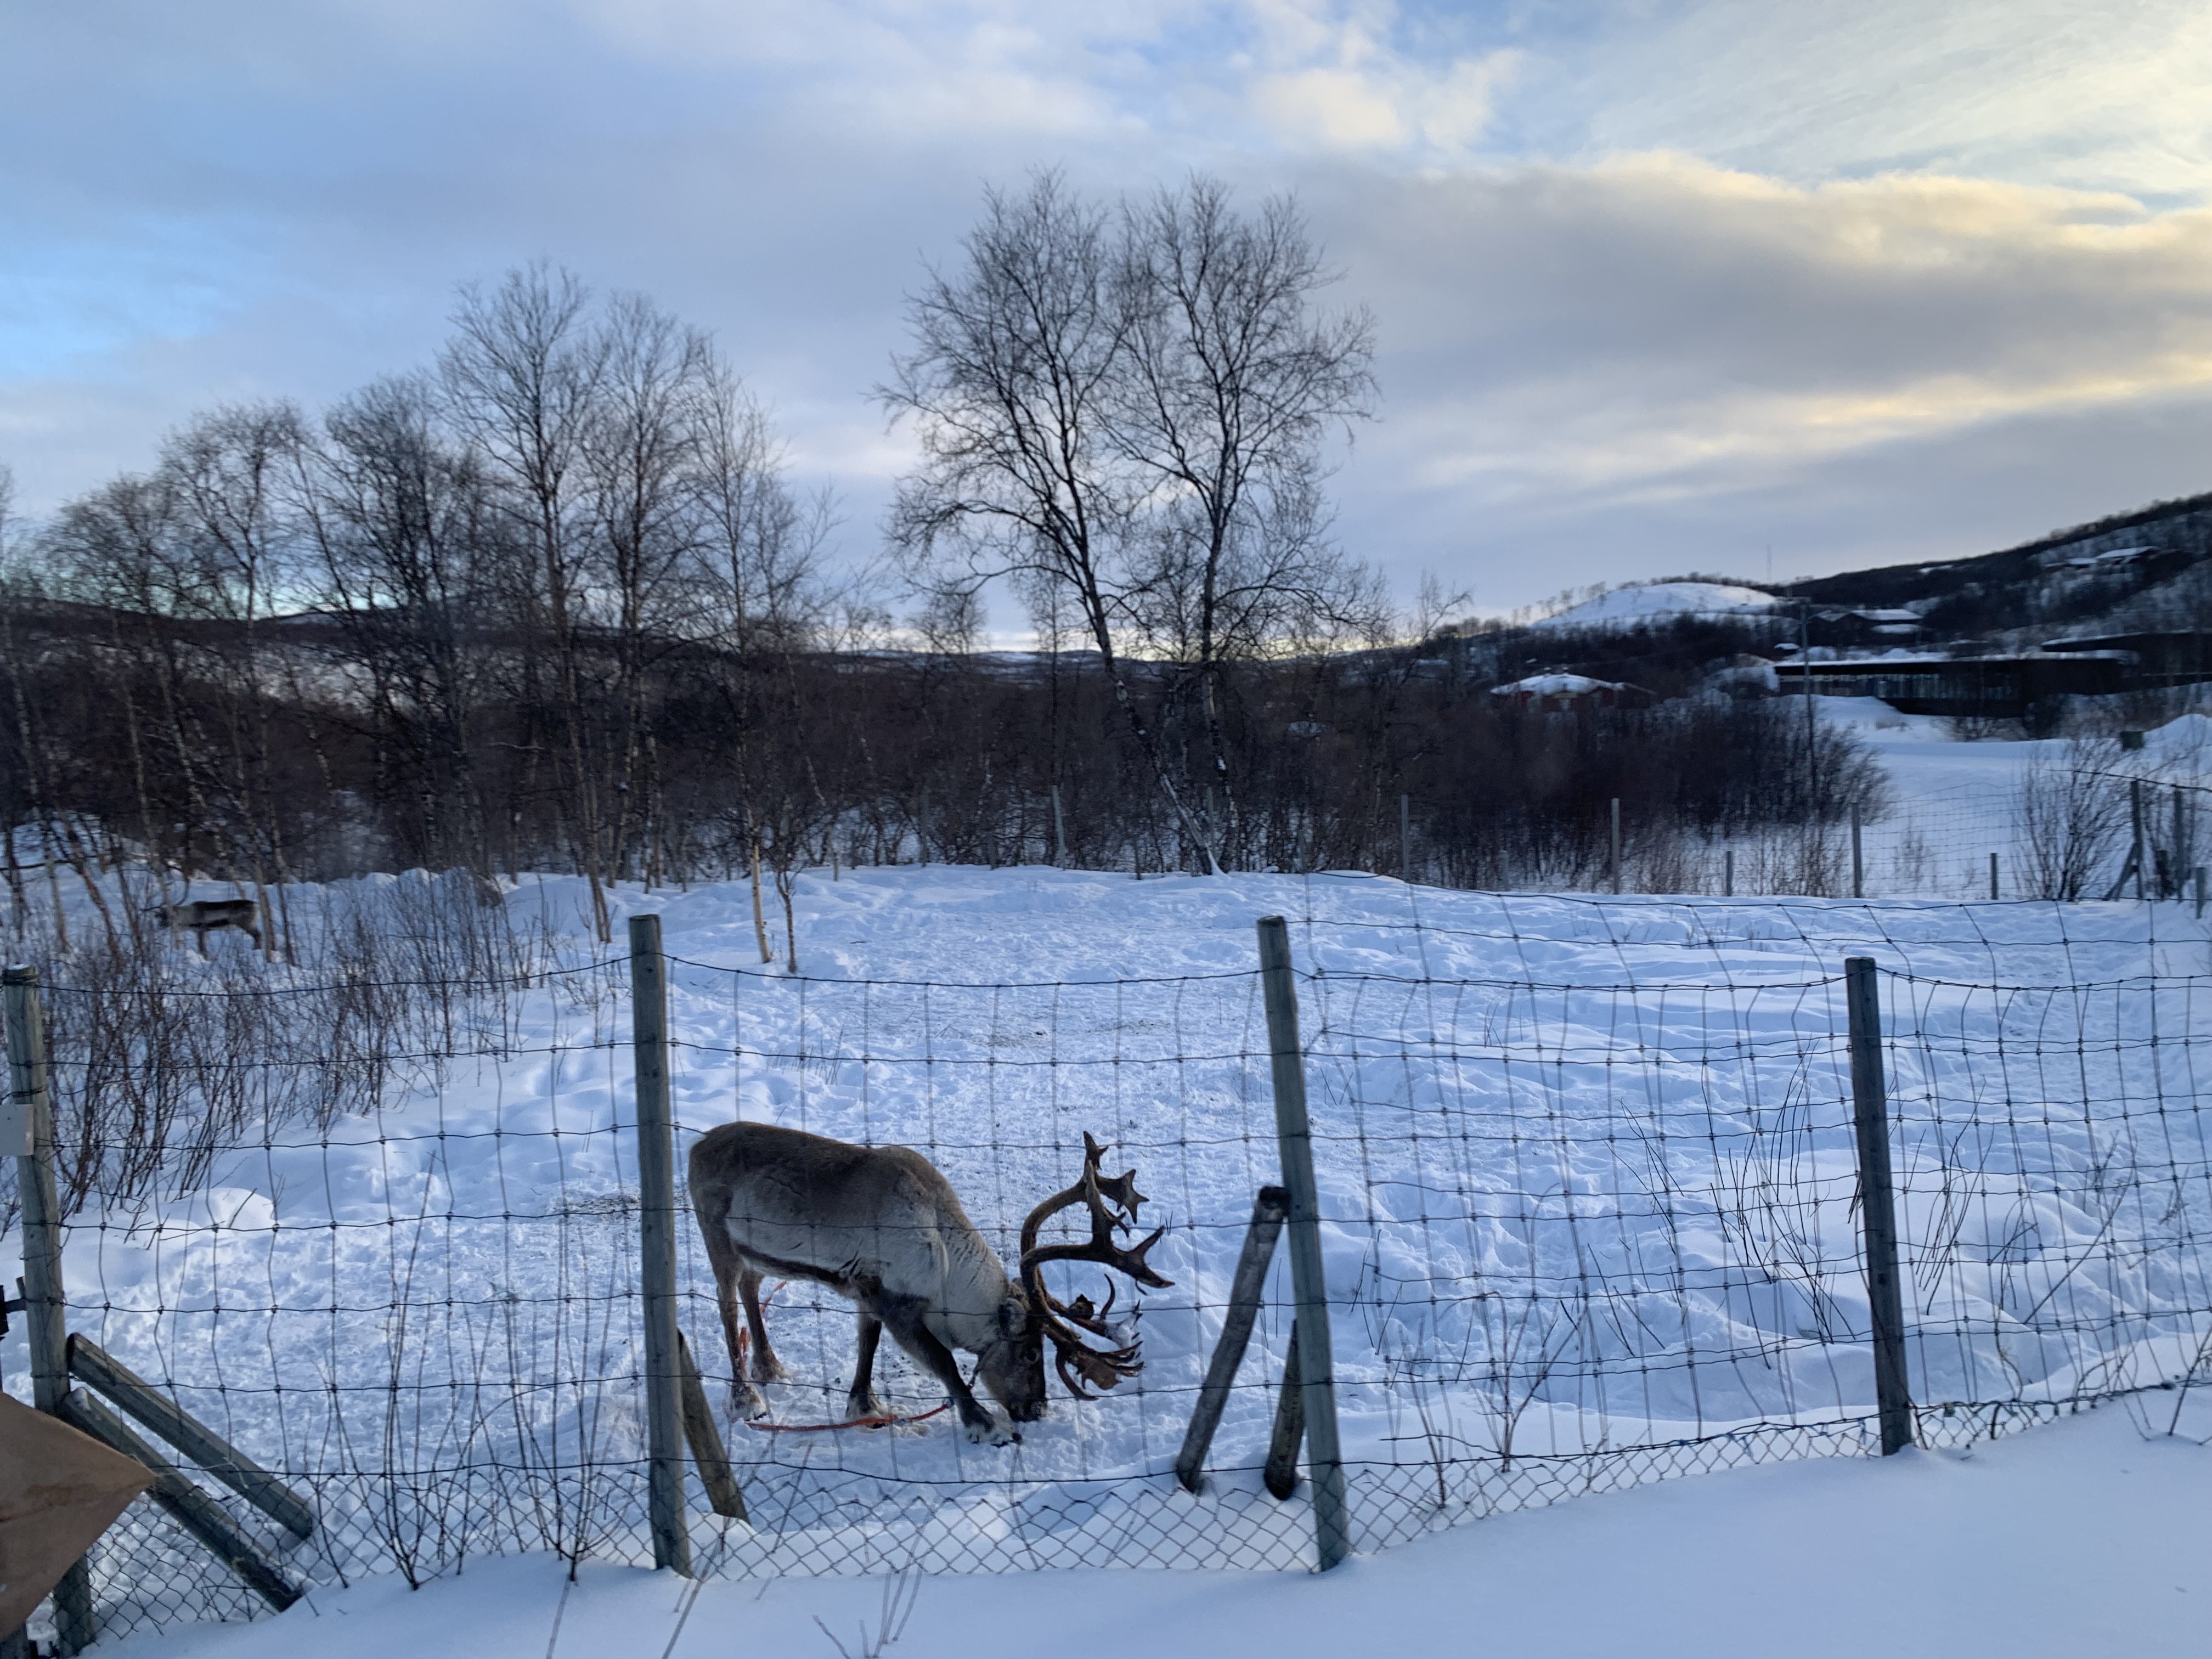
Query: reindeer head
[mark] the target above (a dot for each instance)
(1014, 1369)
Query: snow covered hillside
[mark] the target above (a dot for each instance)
(1648, 602)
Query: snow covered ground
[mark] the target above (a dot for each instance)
(1954, 803)
(1586, 1163)
(2084, 1538)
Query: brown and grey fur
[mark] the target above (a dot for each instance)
(881, 1226)
(204, 917)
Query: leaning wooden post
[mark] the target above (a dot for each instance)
(1280, 1474)
(92, 1364)
(31, 1126)
(656, 1184)
(1267, 1214)
(1877, 1204)
(208, 1523)
(711, 1458)
(1316, 1362)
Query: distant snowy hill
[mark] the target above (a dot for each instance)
(1625, 607)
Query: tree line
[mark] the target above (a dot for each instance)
(554, 601)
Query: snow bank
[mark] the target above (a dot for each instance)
(2085, 1538)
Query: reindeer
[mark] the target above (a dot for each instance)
(203, 916)
(882, 1226)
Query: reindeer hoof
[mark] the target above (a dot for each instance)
(861, 1406)
(991, 1432)
(748, 1403)
(767, 1370)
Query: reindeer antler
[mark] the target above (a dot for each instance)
(1101, 1367)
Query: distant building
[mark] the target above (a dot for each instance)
(1567, 693)
(2176, 657)
(1865, 627)
(2003, 686)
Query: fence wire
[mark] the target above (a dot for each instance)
(1578, 1237)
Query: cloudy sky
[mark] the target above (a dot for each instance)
(1661, 285)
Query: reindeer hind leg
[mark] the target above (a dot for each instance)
(744, 1398)
(766, 1367)
(862, 1401)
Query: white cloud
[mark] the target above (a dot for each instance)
(1579, 328)
(1333, 77)
(2044, 91)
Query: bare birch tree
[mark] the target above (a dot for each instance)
(1012, 384)
(1132, 408)
(406, 554)
(1234, 379)
(522, 380)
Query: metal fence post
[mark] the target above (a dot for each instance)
(656, 1182)
(1858, 859)
(1877, 1204)
(1616, 844)
(1728, 872)
(45, 1314)
(1993, 875)
(1316, 1364)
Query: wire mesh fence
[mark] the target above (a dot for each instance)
(1580, 1233)
(2038, 828)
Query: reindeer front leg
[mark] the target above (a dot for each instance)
(903, 1316)
(862, 1401)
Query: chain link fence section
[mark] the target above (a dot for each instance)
(1578, 1237)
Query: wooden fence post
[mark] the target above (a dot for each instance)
(1316, 1364)
(1615, 866)
(2179, 861)
(2135, 831)
(45, 1314)
(1406, 838)
(1858, 857)
(1877, 1204)
(1993, 875)
(656, 1183)
(1728, 872)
